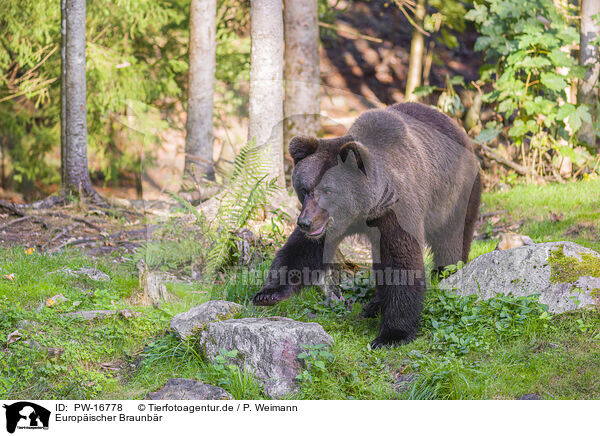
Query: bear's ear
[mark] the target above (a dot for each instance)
(360, 152)
(302, 146)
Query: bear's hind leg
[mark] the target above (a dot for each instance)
(452, 242)
(471, 218)
(447, 247)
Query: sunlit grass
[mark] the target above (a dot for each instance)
(117, 357)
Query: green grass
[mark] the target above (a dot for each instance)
(576, 203)
(499, 349)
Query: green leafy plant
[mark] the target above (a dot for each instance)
(315, 359)
(458, 325)
(221, 364)
(239, 382)
(528, 49)
(249, 190)
(451, 269)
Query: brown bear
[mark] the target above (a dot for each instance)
(405, 175)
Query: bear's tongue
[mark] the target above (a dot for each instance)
(319, 230)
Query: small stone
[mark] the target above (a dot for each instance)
(90, 314)
(94, 274)
(187, 389)
(91, 273)
(128, 313)
(26, 323)
(530, 397)
(52, 352)
(184, 324)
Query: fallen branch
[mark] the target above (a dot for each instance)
(72, 242)
(11, 208)
(59, 235)
(115, 211)
(47, 203)
(506, 162)
(349, 31)
(489, 214)
(24, 218)
(74, 218)
(129, 233)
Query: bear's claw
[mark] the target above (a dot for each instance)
(389, 341)
(380, 342)
(268, 297)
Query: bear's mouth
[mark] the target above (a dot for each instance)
(320, 231)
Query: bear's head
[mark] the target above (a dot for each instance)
(331, 180)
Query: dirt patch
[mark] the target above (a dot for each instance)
(96, 231)
(585, 230)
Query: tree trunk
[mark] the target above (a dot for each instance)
(76, 171)
(302, 87)
(199, 165)
(63, 93)
(589, 58)
(265, 125)
(417, 47)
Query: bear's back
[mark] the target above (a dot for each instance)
(433, 118)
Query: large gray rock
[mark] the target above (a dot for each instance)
(185, 324)
(267, 347)
(186, 389)
(528, 270)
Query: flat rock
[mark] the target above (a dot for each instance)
(267, 347)
(530, 397)
(25, 324)
(91, 273)
(187, 389)
(52, 352)
(186, 323)
(93, 314)
(527, 270)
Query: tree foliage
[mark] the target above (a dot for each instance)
(136, 66)
(527, 48)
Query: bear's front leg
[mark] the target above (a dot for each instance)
(400, 283)
(292, 269)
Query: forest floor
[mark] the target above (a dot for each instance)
(510, 347)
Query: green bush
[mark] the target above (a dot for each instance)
(527, 47)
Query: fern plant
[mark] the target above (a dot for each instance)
(249, 190)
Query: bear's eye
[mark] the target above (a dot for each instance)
(327, 191)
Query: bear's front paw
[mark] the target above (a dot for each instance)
(379, 342)
(390, 341)
(270, 296)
